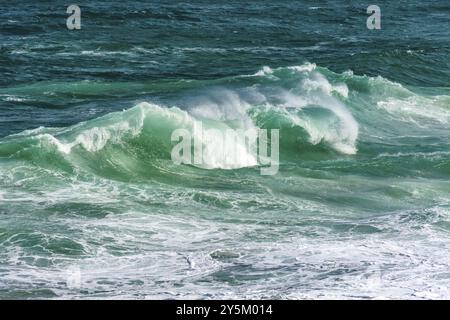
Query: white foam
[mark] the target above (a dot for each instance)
(318, 82)
(264, 71)
(307, 67)
(12, 98)
(416, 109)
(435, 154)
(96, 138)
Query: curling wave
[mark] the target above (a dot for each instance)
(314, 109)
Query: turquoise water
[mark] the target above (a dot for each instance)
(92, 206)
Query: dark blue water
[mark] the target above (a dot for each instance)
(142, 41)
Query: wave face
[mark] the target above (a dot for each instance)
(299, 101)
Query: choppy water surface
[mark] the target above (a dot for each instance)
(91, 205)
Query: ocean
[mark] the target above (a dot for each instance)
(92, 205)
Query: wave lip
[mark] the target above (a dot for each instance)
(308, 96)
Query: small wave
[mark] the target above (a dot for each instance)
(12, 98)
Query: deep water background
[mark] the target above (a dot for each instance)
(140, 41)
